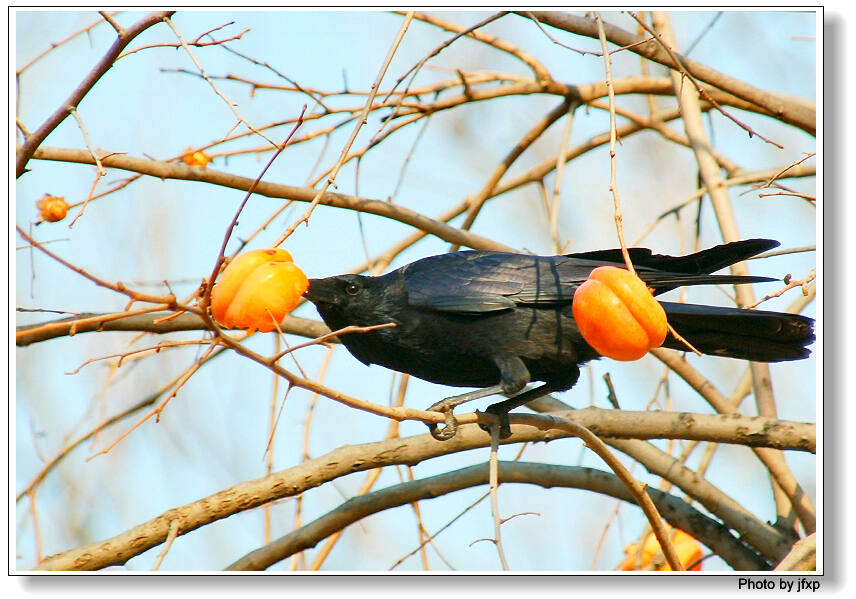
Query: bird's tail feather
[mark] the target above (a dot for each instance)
(712, 259)
(666, 281)
(755, 335)
(703, 262)
(664, 273)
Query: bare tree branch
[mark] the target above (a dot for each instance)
(35, 139)
(678, 513)
(173, 170)
(789, 110)
(159, 323)
(342, 461)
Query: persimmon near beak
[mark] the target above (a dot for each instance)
(257, 289)
(617, 315)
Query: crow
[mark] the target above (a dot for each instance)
(497, 321)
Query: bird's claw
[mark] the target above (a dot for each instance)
(449, 429)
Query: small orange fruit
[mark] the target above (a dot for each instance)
(195, 158)
(52, 208)
(617, 315)
(257, 289)
(688, 549)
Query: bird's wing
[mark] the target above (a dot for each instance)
(482, 281)
(467, 282)
(485, 281)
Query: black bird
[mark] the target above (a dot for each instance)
(498, 320)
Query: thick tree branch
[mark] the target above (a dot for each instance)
(802, 557)
(789, 110)
(676, 511)
(158, 322)
(345, 460)
(766, 539)
(783, 476)
(174, 170)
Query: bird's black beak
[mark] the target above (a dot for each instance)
(321, 291)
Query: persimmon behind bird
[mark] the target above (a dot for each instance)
(617, 314)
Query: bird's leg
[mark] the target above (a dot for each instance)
(447, 405)
(513, 374)
(502, 408)
(456, 400)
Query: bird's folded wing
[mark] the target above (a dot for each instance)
(477, 282)
(468, 305)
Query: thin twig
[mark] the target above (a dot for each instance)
(737, 179)
(99, 168)
(613, 182)
(560, 171)
(273, 419)
(70, 446)
(107, 17)
(324, 338)
(362, 120)
(494, 499)
(156, 411)
(34, 514)
(139, 353)
(232, 106)
(33, 141)
(170, 537)
(206, 296)
(790, 284)
(680, 338)
(642, 498)
(315, 97)
(476, 202)
(783, 171)
(677, 64)
(54, 45)
(195, 43)
(368, 483)
(542, 75)
(307, 426)
(414, 70)
(119, 287)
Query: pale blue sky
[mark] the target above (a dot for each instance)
(213, 434)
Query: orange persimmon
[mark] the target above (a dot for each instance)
(195, 158)
(52, 208)
(257, 289)
(617, 315)
(688, 549)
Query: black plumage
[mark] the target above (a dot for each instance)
(497, 320)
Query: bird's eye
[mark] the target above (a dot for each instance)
(351, 289)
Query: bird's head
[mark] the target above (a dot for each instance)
(355, 300)
(346, 300)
